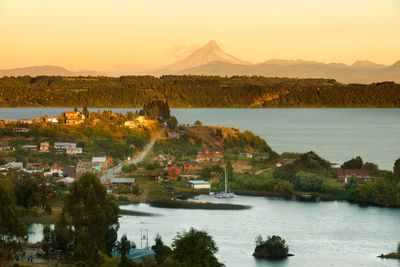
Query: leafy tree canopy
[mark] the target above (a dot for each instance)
(12, 231)
(195, 248)
(356, 163)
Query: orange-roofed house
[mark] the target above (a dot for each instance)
(74, 117)
(173, 172)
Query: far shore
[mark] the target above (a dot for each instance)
(280, 107)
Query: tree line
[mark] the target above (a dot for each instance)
(193, 91)
(86, 231)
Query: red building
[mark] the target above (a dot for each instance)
(362, 175)
(190, 165)
(209, 154)
(173, 172)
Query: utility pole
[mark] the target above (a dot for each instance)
(147, 238)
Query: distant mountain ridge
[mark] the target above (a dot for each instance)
(200, 63)
(46, 71)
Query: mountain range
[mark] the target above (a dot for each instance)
(46, 71)
(212, 60)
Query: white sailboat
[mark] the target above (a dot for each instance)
(226, 193)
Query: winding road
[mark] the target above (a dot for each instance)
(110, 173)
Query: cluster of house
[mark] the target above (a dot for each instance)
(344, 175)
(28, 121)
(188, 170)
(60, 172)
(60, 147)
(140, 120)
(97, 164)
(72, 118)
(209, 154)
(361, 175)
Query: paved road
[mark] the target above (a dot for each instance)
(111, 172)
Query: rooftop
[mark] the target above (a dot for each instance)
(123, 180)
(99, 159)
(362, 172)
(198, 182)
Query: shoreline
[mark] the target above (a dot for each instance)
(271, 107)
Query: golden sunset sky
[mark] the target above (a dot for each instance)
(135, 35)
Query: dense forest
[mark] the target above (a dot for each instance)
(193, 91)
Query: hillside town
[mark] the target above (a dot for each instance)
(140, 158)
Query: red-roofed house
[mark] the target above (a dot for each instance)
(209, 154)
(72, 117)
(362, 175)
(57, 171)
(173, 172)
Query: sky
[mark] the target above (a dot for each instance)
(139, 35)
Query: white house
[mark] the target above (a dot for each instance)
(59, 145)
(57, 171)
(52, 120)
(11, 166)
(130, 124)
(198, 184)
(74, 150)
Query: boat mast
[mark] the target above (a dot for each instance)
(226, 182)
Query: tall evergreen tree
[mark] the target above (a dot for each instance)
(12, 231)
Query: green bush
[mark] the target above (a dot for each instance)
(123, 189)
(122, 198)
(287, 173)
(129, 167)
(308, 182)
(149, 166)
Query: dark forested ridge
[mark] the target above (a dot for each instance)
(193, 91)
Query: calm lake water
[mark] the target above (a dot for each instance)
(319, 234)
(335, 134)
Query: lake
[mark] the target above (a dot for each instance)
(335, 134)
(318, 234)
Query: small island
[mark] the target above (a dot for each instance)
(273, 248)
(393, 255)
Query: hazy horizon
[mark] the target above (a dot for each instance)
(137, 36)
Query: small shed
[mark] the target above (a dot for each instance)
(117, 182)
(198, 184)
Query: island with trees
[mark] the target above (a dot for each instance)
(274, 247)
(193, 91)
(393, 255)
